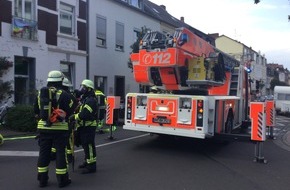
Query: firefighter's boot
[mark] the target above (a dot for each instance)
(89, 168)
(63, 180)
(43, 179)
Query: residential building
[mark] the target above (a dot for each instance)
(39, 36)
(43, 35)
(114, 26)
(249, 59)
(278, 72)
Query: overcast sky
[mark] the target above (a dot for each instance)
(263, 26)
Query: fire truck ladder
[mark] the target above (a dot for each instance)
(234, 82)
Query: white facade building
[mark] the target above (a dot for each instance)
(39, 36)
(113, 28)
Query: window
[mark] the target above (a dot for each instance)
(67, 68)
(119, 36)
(24, 80)
(66, 19)
(283, 96)
(136, 3)
(25, 9)
(101, 31)
(24, 23)
(101, 83)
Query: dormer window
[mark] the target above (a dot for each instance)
(136, 3)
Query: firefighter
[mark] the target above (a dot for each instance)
(66, 86)
(86, 120)
(53, 129)
(101, 102)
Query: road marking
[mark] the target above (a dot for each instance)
(114, 142)
(36, 153)
(280, 124)
(283, 119)
(19, 153)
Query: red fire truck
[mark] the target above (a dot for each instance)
(203, 91)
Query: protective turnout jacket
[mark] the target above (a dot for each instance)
(87, 112)
(64, 102)
(101, 98)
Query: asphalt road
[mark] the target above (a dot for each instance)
(139, 161)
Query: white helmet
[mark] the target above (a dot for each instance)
(55, 76)
(88, 83)
(66, 82)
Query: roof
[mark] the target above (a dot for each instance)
(235, 41)
(159, 13)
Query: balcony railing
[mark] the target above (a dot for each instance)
(24, 28)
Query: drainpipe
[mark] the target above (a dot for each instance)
(87, 42)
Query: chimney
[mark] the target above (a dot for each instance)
(163, 7)
(214, 35)
(182, 19)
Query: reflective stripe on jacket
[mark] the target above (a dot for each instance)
(100, 93)
(58, 126)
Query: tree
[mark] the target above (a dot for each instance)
(5, 86)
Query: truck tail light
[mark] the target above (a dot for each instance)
(199, 111)
(129, 108)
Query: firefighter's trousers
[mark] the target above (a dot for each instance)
(69, 150)
(87, 138)
(59, 140)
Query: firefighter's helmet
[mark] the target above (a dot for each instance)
(88, 83)
(66, 82)
(55, 76)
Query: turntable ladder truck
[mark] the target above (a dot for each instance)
(203, 90)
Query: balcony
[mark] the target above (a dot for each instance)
(24, 28)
